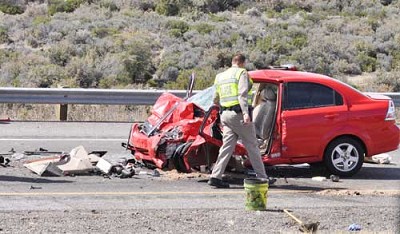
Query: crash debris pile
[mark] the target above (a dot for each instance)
(4, 158)
(78, 162)
(379, 159)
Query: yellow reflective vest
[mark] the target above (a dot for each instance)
(227, 86)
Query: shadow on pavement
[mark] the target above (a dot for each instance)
(378, 173)
(31, 180)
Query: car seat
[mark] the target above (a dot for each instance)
(263, 114)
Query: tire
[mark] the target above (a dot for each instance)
(177, 157)
(344, 156)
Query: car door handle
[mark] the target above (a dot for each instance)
(331, 116)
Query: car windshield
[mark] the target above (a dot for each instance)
(204, 98)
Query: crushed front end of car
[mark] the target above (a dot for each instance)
(179, 133)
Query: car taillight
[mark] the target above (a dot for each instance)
(391, 115)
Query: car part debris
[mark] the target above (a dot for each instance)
(99, 153)
(155, 173)
(78, 162)
(318, 178)
(104, 166)
(42, 151)
(35, 187)
(4, 162)
(307, 228)
(334, 178)
(379, 159)
(122, 169)
(127, 173)
(45, 168)
(354, 227)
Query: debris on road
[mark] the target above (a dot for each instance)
(4, 160)
(354, 227)
(318, 178)
(334, 178)
(304, 227)
(45, 167)
(379, 159)
(155, 173)
(104, 166)
(78, 161)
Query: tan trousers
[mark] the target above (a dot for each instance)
(234, 129)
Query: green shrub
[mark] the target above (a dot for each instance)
(177, 27)
(203, 28)
(45, 76)
(60, 54)
(264, 44)
(367, 63)
(175, 33)
(3, 35)
(11, 9)
(104, 32)
(168, 7)
(231, 40)
(64, 5)
(41, 20)
(366, 57)
(388, 81)
(168, 60)
(204, 78)
(109, 4)
(217, 18)
(178, 24)
(137, 63)
(395, 59)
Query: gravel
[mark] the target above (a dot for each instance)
(373, 219)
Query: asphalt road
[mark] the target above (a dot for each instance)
(371, 198)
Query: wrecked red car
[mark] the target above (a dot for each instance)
(300, 117)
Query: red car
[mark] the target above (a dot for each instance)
(300, 117)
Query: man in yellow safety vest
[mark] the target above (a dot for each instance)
(234, 94)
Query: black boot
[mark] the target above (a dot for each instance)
(217, 183)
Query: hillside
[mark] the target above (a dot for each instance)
(158, 43)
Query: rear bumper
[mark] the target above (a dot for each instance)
(388, 140)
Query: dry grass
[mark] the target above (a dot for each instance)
(47, 112)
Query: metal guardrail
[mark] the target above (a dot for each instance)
(395, 97)
(97, 96)
(83, 96)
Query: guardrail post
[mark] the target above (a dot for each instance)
(62, 112)
(62, 109)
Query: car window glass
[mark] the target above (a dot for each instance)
(299, 95)
(204, 98)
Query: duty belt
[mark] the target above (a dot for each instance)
(235, 108)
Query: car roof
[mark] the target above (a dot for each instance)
(284, 75)
(280, 76)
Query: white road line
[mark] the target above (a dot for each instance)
(65, 139)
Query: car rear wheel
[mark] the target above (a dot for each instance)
(344, 156)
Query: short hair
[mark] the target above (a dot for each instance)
(238, 58)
